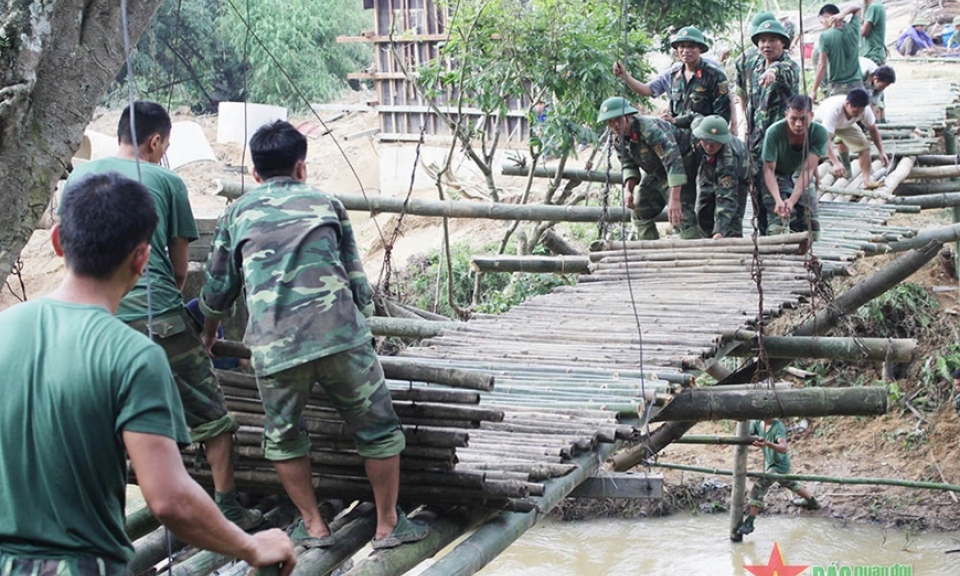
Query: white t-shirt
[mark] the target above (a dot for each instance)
(830, 114)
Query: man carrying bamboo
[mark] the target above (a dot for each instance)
(82, 392)
(291, 250)
(669, 163)
(776, 460)
(840, 115)
(838, 63)
(155, 305)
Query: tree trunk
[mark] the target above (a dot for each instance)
(62, 56)
(537, 264)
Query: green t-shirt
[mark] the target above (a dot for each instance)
(772, 460)
(842, 47)
(776, 147)
(873, 46)
(175, 221)
(74, 378)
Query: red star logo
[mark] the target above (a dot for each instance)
(775, 566)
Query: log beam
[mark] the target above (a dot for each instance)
(876, 349)
(463, 209)
(532, 264)
(711, 404)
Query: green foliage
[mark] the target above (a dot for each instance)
(712, 17)
(199, 52)
(902, 312)
(178, 61)
(498, 292)
(556, 52)
(301, 35)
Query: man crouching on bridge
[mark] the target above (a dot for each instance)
(80, 388)
(291, 249)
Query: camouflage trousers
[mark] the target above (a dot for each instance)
(706, 209)
(353, 382)
(760, 488)
(650, 197)
(203, 403)
(805, 215)
(79, 565)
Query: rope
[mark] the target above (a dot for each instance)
(620, 141)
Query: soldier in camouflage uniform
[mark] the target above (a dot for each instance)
(291, 250)
(723, 182)
(669, 162)
(166, 320)
(697, 87)
(769, 81)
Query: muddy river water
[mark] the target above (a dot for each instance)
(699, 546)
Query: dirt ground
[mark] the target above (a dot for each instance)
(897, 445)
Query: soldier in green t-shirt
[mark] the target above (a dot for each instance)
(838, 63)
(772, 437)
(166, 320)
(874, 32)
(82, 392)
(792, 148)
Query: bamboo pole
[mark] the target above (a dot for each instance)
(153, 548)
(795, 238)
(350, 535)
(931, 201)
(939, 235)
(836, 348)
(140, 522)
(531, 264)
(711, 404)
(465, 209)
(938, 160)
(898, 175)
(443, 530)
(718, 440)
(393, 368)
(823, 479)
(409, 327)
(934, 172)
(497, 534)
(558, 245)
(738, 491)
(858, 192)
(612, 177)
(926, 187)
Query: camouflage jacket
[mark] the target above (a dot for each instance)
(724, 177)
(291, 249)
(768, 104)
(742, 66)
(705, 93)
(656, 147)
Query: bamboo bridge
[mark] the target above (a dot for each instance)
(506, 415)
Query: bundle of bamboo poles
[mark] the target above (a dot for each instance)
(504, 454)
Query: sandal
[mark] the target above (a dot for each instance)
(300, 537)
(405, 531)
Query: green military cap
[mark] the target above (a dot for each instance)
(690, 34)
(615, 107)
(771, 27)
(760, 18)
(713, 129)
(919, 21)
(956, 20)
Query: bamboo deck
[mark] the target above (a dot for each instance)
(570, 368)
